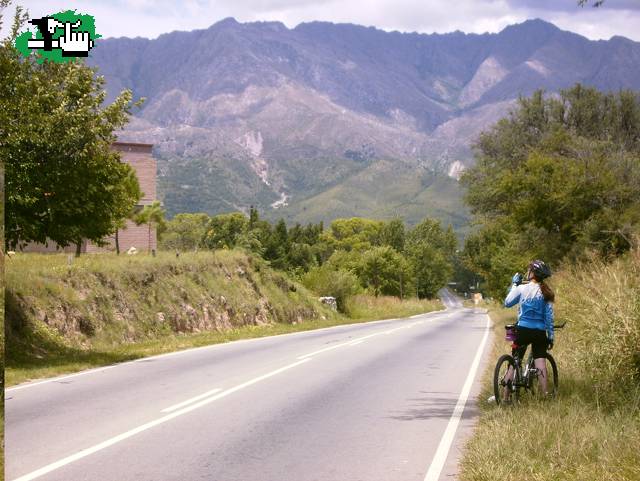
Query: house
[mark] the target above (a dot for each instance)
(140, 158)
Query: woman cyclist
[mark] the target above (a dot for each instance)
(535, 315)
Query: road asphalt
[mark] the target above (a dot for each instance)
(379, 401)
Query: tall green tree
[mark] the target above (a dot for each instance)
(384, 271)
(225, 230)
(355, 233)
(392, 234)
(430, 250)
(185, 232)
(559, 176)
(63, 181)
(153, 216)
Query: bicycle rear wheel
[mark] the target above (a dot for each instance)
(552, 377)
(504, 378)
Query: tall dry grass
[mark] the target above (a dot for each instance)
(364, 306)
(601, 302)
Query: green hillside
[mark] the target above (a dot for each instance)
(386, 190)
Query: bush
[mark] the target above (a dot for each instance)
(328, 282)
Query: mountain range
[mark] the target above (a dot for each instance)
(332, 120)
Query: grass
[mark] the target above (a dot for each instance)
(592, 430)
(364, 307)
(104, 309)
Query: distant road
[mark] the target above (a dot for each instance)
(373, 402)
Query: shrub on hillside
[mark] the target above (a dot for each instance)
(328, 282)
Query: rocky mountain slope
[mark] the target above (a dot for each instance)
(328, 120)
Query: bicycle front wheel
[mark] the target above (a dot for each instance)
(552, 377)
(504, 379)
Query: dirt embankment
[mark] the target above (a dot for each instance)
(104, 301)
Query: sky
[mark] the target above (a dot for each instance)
(149, 18)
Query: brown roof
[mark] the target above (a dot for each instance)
(132, 147)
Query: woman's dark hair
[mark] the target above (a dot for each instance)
(539, 270)
(547, 293)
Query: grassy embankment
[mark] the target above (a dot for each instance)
(103, 309)
(592, 431)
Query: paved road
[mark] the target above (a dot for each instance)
(370, 402)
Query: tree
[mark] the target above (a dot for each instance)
(63, 181)
(225, 230)
(355, 233)
(431, 251)
(559, 176)
(300, 257)
(384, 271)
(393, 234)
(153, 216)
(185, 232)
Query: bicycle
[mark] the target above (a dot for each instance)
(510, 376)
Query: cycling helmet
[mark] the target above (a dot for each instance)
(539, 269)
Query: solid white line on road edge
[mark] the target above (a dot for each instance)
(56, 379)
(447, 438)
(121, 437)
(189, 401)
(355, 343)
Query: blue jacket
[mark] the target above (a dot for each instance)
(534, 312)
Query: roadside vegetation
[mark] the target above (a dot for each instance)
(592, 430)
(100, 309)
(381, 257)
(560, 180)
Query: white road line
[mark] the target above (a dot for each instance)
(320, 351)
(447, 438)
(355, 343)
(391, 331)
(189, 401)
(352, 342)
(56, 379)
(211, 346)
(121, 437)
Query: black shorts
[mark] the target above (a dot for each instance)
(536, 337)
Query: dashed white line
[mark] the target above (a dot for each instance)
(320, 351)
(189, 401)
(121, 437)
